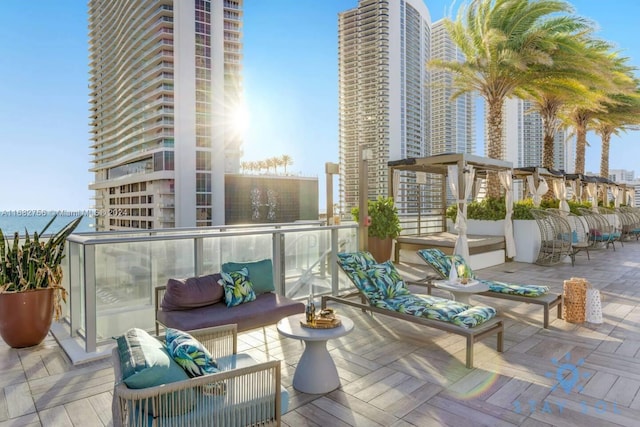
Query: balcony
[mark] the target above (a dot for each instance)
(396, 373)
(111, 276)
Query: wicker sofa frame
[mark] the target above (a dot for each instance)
(254, 390)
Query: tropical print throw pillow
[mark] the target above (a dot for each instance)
(189, 353)
(237, 287)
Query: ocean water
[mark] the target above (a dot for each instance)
(35, 220)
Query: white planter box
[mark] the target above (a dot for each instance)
(527, 238)
(485, 227)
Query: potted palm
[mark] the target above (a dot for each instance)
(31, 291)
(383, 226)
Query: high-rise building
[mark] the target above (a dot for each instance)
(165, 82)
(452, 120)
(383, 49)
(524, 137)
(621, 175)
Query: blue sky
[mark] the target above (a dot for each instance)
(290, 70)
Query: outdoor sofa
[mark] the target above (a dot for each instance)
(200, 302)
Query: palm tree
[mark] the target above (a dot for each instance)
(286, 160)
(622, 115)
(502, 41)
(262, 164)
(580, 114)
(277, 161)
(575, 71)
(271, 163)
(244, 165)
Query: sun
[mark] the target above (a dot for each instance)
(238, 119)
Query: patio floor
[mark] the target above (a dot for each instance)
(394, 373)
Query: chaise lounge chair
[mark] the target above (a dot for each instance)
(382, 291)
(531, 294)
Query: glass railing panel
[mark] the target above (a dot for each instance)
(244, 248)
(126, 275)
(347, 242)
(306, 261)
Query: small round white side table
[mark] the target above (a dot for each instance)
(461, 292)
(316, 372)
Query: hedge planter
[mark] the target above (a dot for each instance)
(484, 227)
(527, 238)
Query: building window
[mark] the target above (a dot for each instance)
(203, 160)
(203, 182)
(203, 199)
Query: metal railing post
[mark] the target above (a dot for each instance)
(75, 284)
(198, 256)
(90, 309)
(278, 263)
(333, 262)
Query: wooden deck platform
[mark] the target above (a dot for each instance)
(484, 251)
(394, 373)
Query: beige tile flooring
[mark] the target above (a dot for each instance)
(394, 373)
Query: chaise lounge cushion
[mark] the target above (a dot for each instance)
(185, 294)
(474, 316)
(384, 288)
(356, 264)
(440, 262)
(514, 289)
(267, 308)
(387, 280)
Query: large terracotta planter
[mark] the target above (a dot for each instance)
(380, 248)
(25, 317)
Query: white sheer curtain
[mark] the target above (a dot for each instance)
(506, 179)
(477, 186)
(592, 191)
(631, 196)
(396, 185)
(539, 191)
(615, 190)
(575, 190)
(560, 191)
(461, 195)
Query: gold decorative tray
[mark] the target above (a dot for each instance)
(321, 323)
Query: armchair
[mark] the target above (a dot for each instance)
(242, 393)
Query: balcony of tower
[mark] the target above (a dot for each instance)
(113, 127)
(145, 139)
(123, 79)
(116, 37)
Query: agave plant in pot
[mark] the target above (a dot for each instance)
(31, 291)
(383, 226)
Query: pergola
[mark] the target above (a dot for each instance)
(536, 179)
(460, 171)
